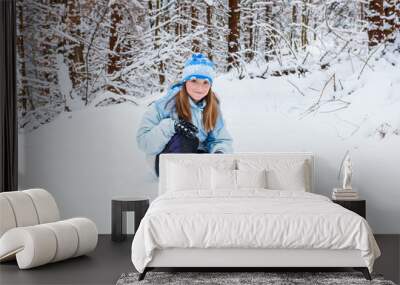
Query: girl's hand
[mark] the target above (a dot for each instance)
(186, 128)
(189, 126)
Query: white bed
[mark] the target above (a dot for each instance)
(201, 220)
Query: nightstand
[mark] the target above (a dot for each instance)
(119, 207)
(357, 206)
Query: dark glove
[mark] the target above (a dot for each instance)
(186, 128)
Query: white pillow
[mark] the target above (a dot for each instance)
(223, 179)
(228, 179)
(251, 178)
(282, 174)
(182, 177)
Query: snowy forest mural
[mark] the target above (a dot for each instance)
(293, 75)
(70, 51)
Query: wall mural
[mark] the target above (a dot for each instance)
(71, 52)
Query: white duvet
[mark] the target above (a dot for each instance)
(250, 219)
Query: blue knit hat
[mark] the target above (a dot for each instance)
(200, 67)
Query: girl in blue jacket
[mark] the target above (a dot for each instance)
(188, 119)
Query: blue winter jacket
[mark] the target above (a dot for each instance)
(157, 126)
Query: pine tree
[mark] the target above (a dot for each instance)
(210, 31)
(375, 18)
(270, 40)
(293, 26)
(233, 38)
(24, 97)
(389, 27)
(247, 29)
(74, 52)
(193, 28)
(305, 12)
(114, 46)
(398, 17)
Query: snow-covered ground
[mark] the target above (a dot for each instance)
(87, 156)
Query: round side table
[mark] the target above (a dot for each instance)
(119, 206)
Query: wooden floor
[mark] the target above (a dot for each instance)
(111, 259)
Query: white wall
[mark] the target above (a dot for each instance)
(86, 157)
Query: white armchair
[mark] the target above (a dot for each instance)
(32, 233)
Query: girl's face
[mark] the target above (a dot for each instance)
(197, 88)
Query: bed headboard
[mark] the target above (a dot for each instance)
(211, 159)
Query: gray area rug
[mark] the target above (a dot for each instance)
(270, 278)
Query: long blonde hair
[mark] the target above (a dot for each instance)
(210, 112)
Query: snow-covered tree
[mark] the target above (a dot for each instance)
(384, 20)
(389, 26)
(233, 38)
